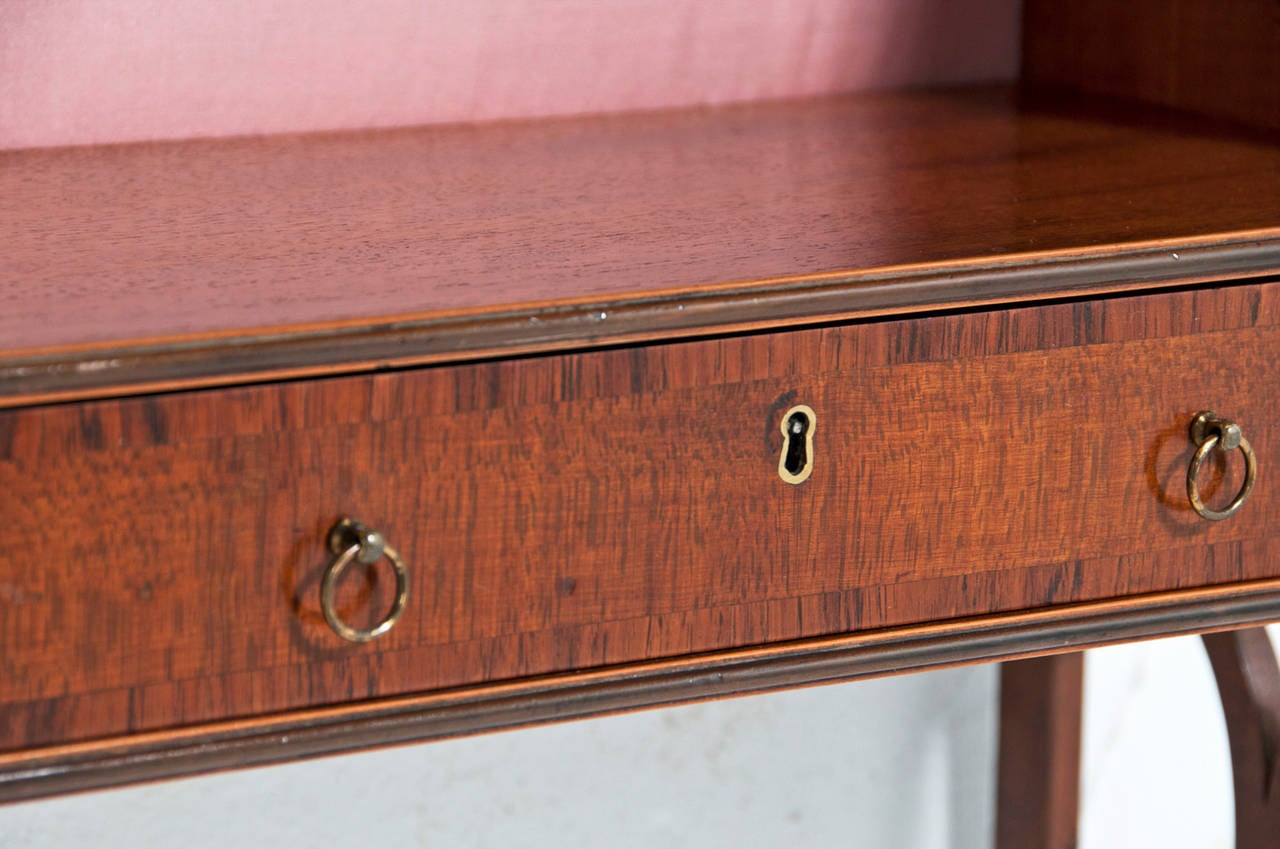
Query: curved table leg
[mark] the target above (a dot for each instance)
(1248, 677)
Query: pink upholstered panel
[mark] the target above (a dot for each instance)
(88, 71)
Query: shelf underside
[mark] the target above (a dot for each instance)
(152, 265)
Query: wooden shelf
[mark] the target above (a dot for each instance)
(157, 266)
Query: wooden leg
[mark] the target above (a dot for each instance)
(1248, 676)
(1039, 766)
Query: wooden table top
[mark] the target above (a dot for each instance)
(173, 264)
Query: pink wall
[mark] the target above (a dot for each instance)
(86, 71)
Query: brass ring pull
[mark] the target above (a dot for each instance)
(350, 540)
(1209, 431)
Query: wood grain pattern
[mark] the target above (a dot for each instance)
(86, 373)
(571, 512)
(1038, 788)
(1215, 57)
(182, 250)
(274, 738)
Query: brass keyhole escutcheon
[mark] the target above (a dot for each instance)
(796, 463)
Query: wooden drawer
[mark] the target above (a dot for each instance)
(163, 554)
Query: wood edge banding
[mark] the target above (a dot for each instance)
(146, 366)
(310, 733)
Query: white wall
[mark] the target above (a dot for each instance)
(903, 762)
(1156, 769)
(897, 762)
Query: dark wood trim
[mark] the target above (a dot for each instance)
(272, 739)
(1038, 790)
(397, 341)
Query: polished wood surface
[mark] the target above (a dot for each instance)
(571, 512)
(1038, 775)
(1248, 678)
(273, 738)
(602, 527)
(87, 373)
(524, 236)
(1216, 57)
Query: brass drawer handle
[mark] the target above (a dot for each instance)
(350, 540)
(1210, 431)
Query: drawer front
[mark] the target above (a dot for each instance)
(163, 555)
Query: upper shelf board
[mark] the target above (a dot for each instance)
(136, 267)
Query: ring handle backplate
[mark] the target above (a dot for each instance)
(350, 540)
(1211, 432)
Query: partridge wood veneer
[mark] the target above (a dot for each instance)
(550, 362)
(577, 511)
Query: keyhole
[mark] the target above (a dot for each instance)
(797, 457)
(796, 463)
